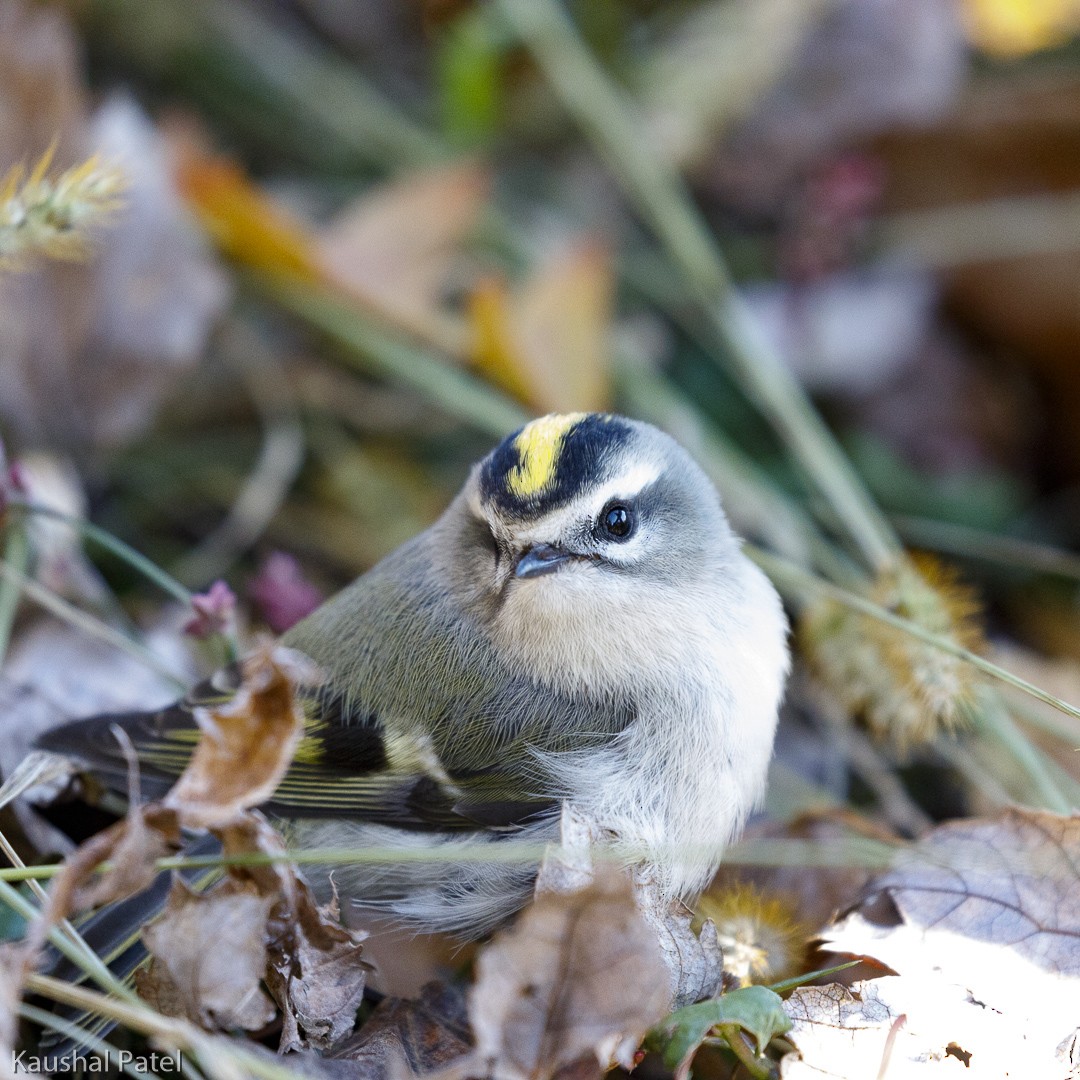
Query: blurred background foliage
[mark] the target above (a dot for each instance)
(832, 245)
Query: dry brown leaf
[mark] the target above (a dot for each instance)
(247, 744)
(209, 955)
(317, 976)
(548, 340)
(982, 925)
(314, 968)
(694, 961)
(578, 980)
(246, 748)
(427, 1033)
(396, 247)
(132, 846)
(212, 950)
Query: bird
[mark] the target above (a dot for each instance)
(580, 629)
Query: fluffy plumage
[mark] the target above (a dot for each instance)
(579, 625)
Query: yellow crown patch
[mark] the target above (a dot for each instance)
(539, 445)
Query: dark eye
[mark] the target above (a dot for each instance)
(617, 521)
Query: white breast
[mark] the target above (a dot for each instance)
(680, 782)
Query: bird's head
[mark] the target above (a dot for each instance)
(585, 526)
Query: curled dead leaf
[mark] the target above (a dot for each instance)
(132, 848)
(314, 968)
(209, 955)
(578, 980)
(317, 976)
(693, 960)
(247, 744)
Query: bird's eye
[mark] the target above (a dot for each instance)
(617, 521)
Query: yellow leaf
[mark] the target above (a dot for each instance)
(247, 225)
(546, 342)
(495, 353)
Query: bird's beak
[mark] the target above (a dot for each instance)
(540, 559)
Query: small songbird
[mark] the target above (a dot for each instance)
(580, 626)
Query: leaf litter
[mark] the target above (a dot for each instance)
(981, 923)
(212, 950)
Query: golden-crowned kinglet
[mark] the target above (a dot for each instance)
(580, 626)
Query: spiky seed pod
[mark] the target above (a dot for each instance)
(760, 934)
(53, 215)
(906, 689)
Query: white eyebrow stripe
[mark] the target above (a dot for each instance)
(627, 484)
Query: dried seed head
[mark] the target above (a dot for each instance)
(760, 934)
(54, 216)
(907, 690)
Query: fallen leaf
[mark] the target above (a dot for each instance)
(845, 1032)
(1012, 882)
(317, 976)
(547, 341)
(693, 960)
(980, 921)
(396, 247)
(248, 225)
(247, 744)
(132, 847)
(578, 980)
(209, 953)
(427, 1033)
(314, 967)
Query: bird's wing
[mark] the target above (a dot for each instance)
(418, 722)
(479, 772)
(341, 767)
